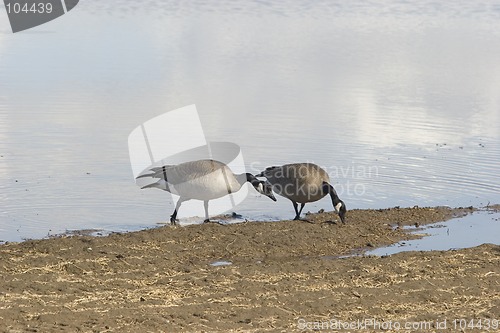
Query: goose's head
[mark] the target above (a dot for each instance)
(341, 210)
(265, 188)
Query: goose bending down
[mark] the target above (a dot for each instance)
(202, 180)
(303, 182)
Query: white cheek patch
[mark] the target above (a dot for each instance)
(337, 206)
(261, 188)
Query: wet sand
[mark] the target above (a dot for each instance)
(284, 276)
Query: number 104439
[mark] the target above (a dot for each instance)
(34, 8)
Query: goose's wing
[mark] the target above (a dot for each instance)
(269, 172)
(190, 171)
(306, 173)
(185, 172)
(296, 173)
(284, 172)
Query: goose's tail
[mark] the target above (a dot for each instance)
(161, 184)
(152, 185)
(158, 172)
(145, 175)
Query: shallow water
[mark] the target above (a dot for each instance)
(397, 100)
(472, 230)
(221, 263)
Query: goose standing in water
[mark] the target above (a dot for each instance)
(202, 180)
(303, 182)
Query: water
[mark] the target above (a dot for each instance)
(221, 263)
(471, 230)
(398, 100)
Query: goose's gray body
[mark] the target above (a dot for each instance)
(302, 183)
(201, 180)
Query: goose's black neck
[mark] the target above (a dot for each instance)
(337, 203)
(328, 189)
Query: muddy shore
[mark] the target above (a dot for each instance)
(283, 276)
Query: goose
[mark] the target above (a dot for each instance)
(303, 182)
(202, 180)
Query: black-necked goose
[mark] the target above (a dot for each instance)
(202, 180)
(303, 182)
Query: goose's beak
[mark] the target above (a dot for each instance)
(342, 216)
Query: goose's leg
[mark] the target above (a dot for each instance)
(205, 204)
(297, 214)
(173, 220)
(301, 207)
